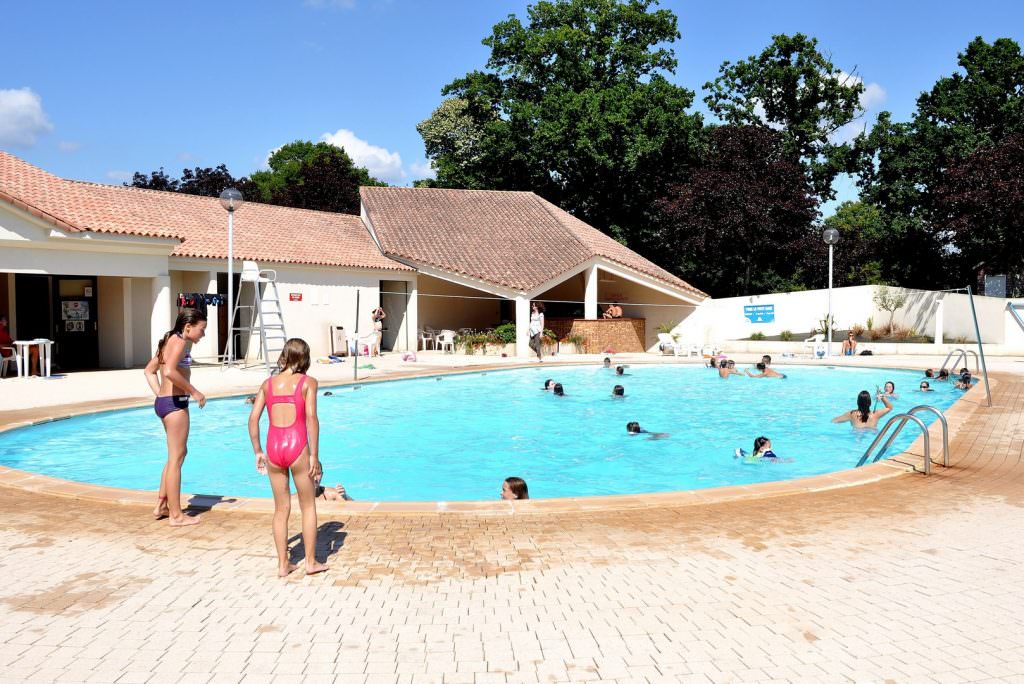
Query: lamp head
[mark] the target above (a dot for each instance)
(231, 199)
(830, 236)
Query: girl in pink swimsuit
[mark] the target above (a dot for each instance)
(293, 440)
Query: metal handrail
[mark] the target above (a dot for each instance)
(901, 419)
(961, 357)
(945, 429)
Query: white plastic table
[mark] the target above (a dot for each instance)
(21, 355)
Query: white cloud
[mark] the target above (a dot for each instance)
(22, 117)
(119, 176)
(68, 146)
(421, 170)
(186, 157)
(378, 161)
(873, 94)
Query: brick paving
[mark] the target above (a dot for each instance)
(905, 579)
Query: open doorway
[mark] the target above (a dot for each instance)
(394, 296)
(62, 309)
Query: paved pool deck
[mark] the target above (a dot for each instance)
(898, 578)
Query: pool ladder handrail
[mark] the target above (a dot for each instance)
(962, 356)
(900, 421)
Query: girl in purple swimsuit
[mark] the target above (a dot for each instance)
(168, 374)
(293, 448)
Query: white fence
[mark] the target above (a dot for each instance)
(945, 316)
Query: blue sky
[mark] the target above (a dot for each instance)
(97, 90)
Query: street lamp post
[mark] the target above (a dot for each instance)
(831, 237)
(231, 199)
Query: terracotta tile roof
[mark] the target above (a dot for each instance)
(263, 232)
(512, 239)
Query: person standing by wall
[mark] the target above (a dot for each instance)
(378, 329)
(537, 329)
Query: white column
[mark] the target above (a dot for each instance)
(939, 323)
(161, 318)
(522, 327)
(128, 333)
(590, 294)
(412, 315)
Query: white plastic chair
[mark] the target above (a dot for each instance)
(427, 336)
(5, 360)
(251, 273)
(445, 339)
(665, 341)
(815, 343)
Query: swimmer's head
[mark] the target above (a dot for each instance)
(607, 362)
(328, 393)
(890, 387)
(294, 356)
(965, 371)
(761, 366)
(731, 363)
(619, 370)
(514, 488)
(633, 427)
(558, 390)
(251, 399)
(190, 324)
(618, 391)
(762, 444)
(549, 384)
(925, 386)
(929, 373)
(943, 374)
(766, 360)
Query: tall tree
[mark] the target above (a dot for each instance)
(311, 175)
(904, 163)
(980, 202)
(795, 88)
(734, 226)
(574, 105)
(208, 182)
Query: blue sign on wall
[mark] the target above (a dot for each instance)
(759, 313)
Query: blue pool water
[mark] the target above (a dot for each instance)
(457, 437)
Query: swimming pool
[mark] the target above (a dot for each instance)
(457, 437)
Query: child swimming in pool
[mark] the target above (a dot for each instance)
(293, 441)
(762, 449)
(633, 428)
(514, 488)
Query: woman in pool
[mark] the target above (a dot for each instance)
(633, 428)
(607, 363)
(863, 417)
(964, 381)
(514, 488)
(618, 391)
(293, 447)
(169, 373)
(926, 387)
(889, 390)
(558, 390)
(549, 385)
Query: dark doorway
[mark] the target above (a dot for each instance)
(222, 314)
(62, 309)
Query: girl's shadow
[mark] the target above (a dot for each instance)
(329, 540)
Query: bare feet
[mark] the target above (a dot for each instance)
(161, 511)
(314, 568)
(184, 521)
(287, 570)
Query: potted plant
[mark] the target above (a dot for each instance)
(578, 343)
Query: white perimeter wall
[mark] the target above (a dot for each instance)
(800, 312)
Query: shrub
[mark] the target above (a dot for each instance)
(474, 340)
(786, 335)
(577, 340)
(857, 329)
(549, 338)
(823, 324)
(756, 336)
(889, 300)
(504, 334)
(667, 328)
(903, 333)
(871, 322)
(876, 334)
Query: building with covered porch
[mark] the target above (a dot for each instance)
(97, 268)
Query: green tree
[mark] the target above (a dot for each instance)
(792, 86)
(860, 256)
(208, 182)
(575, 106)
(736, 226)
(903, 164)
(310, 175)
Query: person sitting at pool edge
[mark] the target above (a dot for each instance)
(633, 428)
(850, 344)
(618, 391)
(514, 488)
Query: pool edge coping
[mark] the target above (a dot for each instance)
(903, 464)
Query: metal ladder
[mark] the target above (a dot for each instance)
(898, 422)
(961, 356)
(265, 316)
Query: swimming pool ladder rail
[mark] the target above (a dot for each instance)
(961, 356)
(897, 423)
